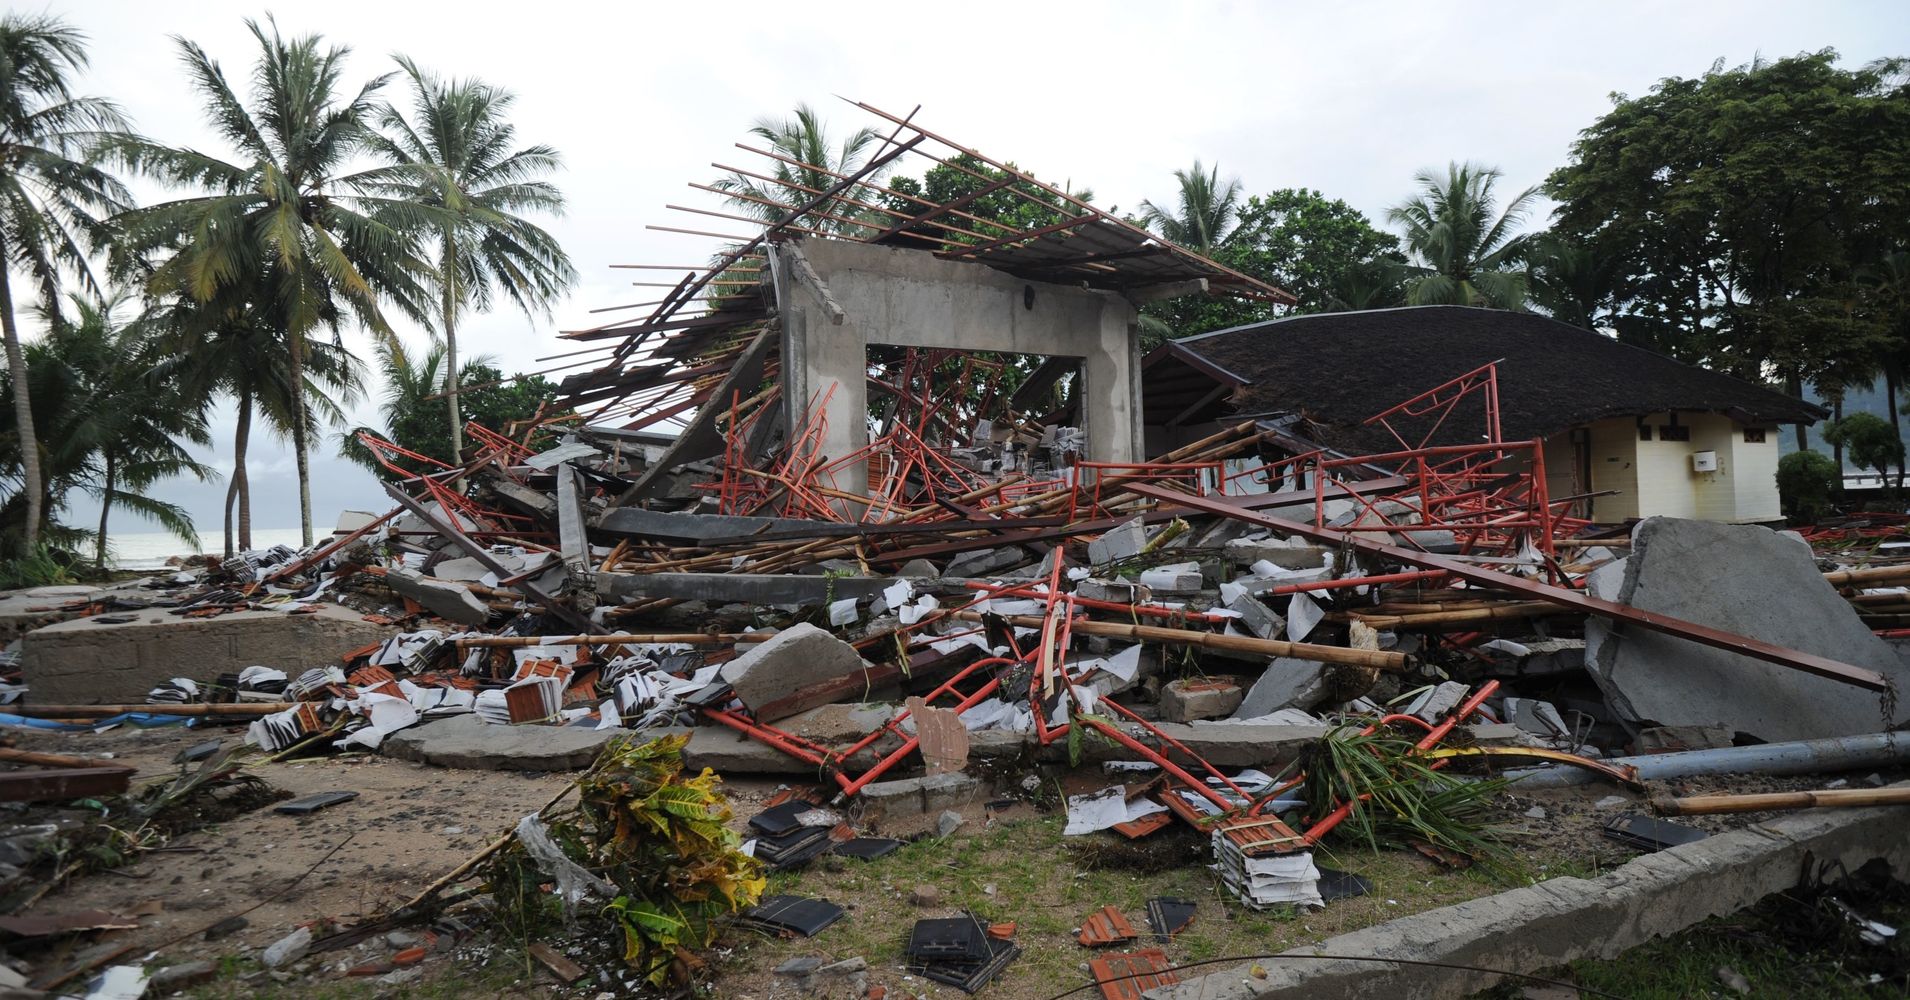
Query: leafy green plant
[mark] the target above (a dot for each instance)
(1804, 483)
(39, 566)
(1402, 799)
(662, 839)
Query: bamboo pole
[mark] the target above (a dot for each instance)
(56, 759)
(1873, 574)
(1370, 658)
(1842, 798)
(240, 710)
(1500, 612)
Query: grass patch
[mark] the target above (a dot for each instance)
(1047, 883)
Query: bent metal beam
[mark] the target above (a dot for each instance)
(1571, 599)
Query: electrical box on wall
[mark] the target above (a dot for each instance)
(1704, 461)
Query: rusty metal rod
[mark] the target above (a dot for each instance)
(1811, 663)
(1370, 658)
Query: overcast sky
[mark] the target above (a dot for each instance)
(1348, 98)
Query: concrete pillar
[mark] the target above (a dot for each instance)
(912, 298)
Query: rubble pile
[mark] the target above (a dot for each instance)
(1206, 621)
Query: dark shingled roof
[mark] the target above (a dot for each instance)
(1338, 369)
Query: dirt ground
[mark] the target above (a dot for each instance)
(412, 823)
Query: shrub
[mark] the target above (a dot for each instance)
(1805, 480)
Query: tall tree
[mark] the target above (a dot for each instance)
(1570, 280)
(1462, 254)
(283, 232)
(112, 429)
(807, 164)
(212, 354)
(50, 197)
(1741, 204)
(1323, 250)
(455, 156)
(1205, 211)
(413, 407)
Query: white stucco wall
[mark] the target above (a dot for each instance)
(1655, 477)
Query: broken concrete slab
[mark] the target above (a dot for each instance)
(1259, 619)
(1191, 698)
(1534, 928)
(748, 588)
(1116, 591)
(82, 662)
(446, 600)
(984, 562)
(1123, 541)
(726, 751)
(1750, 581)
(833, 724)
(1286, 553)
(469, 743)
(904, 797)
(770, 676)
(1676, 739)
(1286, 683)
(699, 528)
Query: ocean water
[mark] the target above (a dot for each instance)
(150, 549)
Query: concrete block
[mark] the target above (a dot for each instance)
(1116, 590)
(1178, 580)
(1286, 683)
(1256, 617)
(726, 751)
(1754, 582)
(1123, 541)
(918, 569)
(469, 743)
(905, 797)
(1286, 553)
(985, 562)
(446, 600)
(83, 662)
(1193, 698)
(837, 723)
(797, 659)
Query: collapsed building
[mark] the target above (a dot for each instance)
(886, 492)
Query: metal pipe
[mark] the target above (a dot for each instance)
(1826, 756)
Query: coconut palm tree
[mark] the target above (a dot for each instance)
(112, 429)
(282, 233)
(817, 166)
(455, 157)
(1205, 217)
(49, 196)
(1571, 281)
(1463, 255)
(213, 354)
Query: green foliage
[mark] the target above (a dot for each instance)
(1404, 798)
(417, 414)
(40, 566)
(1805, 480)
(1002, 211)
(661, 838)
(51, 197)
(1738, 209)
(804, 138)
(1324, 251)
(1206, 213)
(1868, 440)
(109, 428)
(1463, 255)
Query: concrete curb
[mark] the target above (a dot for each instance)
(1543, 926)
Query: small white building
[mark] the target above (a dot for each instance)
(1638, 433)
